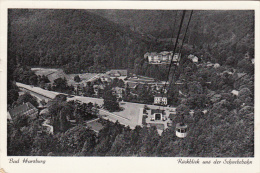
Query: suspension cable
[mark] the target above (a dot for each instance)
(183, 40)
(175, 46)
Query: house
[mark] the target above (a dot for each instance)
(78, 88)
(118, 91)
(117, 73)
(98, 89)
(139, 78)
(131, 85)
(193, 58)
(216, 65)
(26, 109)
(159, 118)
(235, 92)
(179, 82)
(105, 78)
(163, 57)
(209, 64)
(157, 115)
(226, 72)
(205, 112)
(152, 57)
(176, 58)
(160, 99)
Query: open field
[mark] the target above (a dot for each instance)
(94, 125)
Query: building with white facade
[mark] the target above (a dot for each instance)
(164, 57)
(160, 99)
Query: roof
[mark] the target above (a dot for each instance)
(193, 58)
(216, 65)
(120, 72)
(49, 94)
(190, 56)
(205, 111)
(20, 110)
(240, 74)
(154, 111)
(165, 52)
(132, 84)
(235, 92)
(44, 111)
(99, 86)
(118, 89)
(141, 79)
(104, 76)
(228, 72)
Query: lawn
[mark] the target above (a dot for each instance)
(95, 125)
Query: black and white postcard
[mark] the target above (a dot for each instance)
(129, 86)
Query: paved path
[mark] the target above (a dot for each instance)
(49, 127)
(92, 120)
(131, 115)
(93, 78)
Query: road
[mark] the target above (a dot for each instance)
(49, 127)
(93, 78)
(130, 115)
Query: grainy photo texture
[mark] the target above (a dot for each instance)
(157, 83)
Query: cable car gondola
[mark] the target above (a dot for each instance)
(181, 130)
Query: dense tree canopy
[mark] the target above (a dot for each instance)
(110, 100)
(27, 97)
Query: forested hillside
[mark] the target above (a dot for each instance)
(73, 39)
(211, 26)
(96, 40)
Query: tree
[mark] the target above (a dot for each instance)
(12, 96)
(60, 112)
(49, 87)
(110, 101)
(231, 61)
(182, 111)
(150, 139)
(76, 138)
(195, 88)
(77, 78)
(89, 90)
(33, 80)
(43, 102)
(27, 97)
(246, 66)
(197, 101)
(60, 84)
